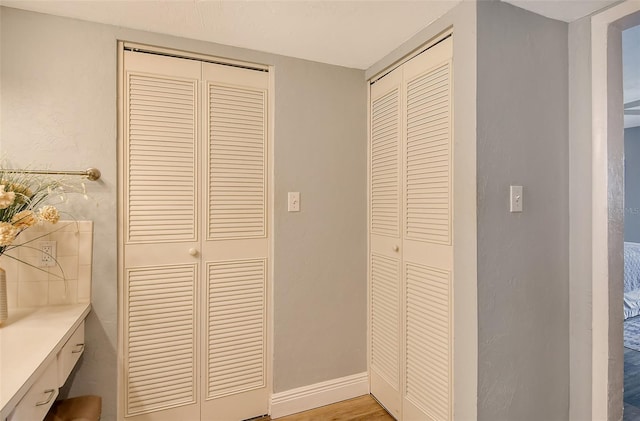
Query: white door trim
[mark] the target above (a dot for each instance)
(600, 205)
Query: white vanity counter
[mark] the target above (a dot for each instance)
(31, 340)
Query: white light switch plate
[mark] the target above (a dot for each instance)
(294, 201)
(515, 194)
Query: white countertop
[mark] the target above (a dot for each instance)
(29, 341)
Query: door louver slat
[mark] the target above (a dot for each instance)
(161, 349)
(428, 340)
(237, 163)
(161, 159)
(385, 319)
(428, 157)
(236, 326)
(385, 131)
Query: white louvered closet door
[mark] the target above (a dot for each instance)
(235, 244)
(385, 165)
(427, 231)
(160, 199)
(411, 249)
(195, 236)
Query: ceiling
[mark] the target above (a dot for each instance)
(565, 10)
(350, 33)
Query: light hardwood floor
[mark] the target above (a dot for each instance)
(361, 408)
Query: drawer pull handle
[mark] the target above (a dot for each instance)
(51, 392)
(79, 350)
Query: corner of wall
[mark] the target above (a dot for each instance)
(579, 45)
(523, 270)
(463, 19)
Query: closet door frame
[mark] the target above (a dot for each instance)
(121, 235)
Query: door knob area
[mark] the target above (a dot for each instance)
(396, 248)
(193, 251)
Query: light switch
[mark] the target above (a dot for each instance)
(515, 193)
(294, 201)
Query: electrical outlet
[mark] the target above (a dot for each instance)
(47, 253)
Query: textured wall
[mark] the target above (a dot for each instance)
(320, 252)
(615, 220)
(58, 80)
(58, 111)
(523, 269)
(580, 221)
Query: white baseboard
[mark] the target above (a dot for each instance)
(319, 394)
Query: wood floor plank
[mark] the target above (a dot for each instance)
(363, 408)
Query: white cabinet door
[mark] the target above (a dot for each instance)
(39, 398)
(70, 354)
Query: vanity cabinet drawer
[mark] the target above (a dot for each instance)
(70, 354)
(39, 398)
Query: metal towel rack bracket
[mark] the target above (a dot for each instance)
(92, 174)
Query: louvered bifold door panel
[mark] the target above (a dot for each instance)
(160, 338)
(236, 327)
(384, 185)
(385, 318)
(161, 153)
(428, 340)
(385, 166)
(428, 156)
(235, 243)
(237, 162)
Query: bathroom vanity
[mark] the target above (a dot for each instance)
(39, 347)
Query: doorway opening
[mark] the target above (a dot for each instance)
(607, 215)
(631, 296)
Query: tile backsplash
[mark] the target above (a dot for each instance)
(67, 282)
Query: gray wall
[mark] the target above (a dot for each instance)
(615, 221)
(580, 222)
(521, 111)
(58, 109)
(523, 269)
(321, 252)
(632, 184)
